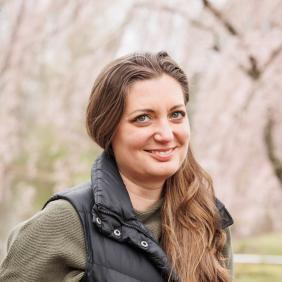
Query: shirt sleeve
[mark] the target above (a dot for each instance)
(48, 247)
(228, 252)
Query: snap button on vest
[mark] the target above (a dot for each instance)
(117, 232)
(144, 244)
(98, 220)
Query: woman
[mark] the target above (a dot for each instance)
(149, 212)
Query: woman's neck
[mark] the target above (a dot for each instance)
(142, 196)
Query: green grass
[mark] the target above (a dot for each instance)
(258, 273)
(268, 244)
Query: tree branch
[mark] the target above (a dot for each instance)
(274, 160)
(228, 26)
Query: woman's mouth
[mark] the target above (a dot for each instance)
(162, 154)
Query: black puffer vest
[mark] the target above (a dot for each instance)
(119, 247)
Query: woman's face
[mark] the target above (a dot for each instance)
(152, 138)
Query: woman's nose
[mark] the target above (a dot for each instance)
(164, 132)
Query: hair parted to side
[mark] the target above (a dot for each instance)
(191, 234)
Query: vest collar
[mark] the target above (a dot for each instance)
(111, 196)
(109, 190)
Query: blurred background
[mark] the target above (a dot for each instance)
(51, 52)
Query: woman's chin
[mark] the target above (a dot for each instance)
(163, 173)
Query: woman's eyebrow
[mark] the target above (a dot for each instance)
(142, 110)
(177, 106)
(147, 110)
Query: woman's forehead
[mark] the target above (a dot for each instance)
(156, 91)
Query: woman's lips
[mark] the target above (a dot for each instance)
(162, 155)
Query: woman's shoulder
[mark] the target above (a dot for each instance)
(58, 210)
(225, 216)
(55, 212)
(56, 221)
(79, 196)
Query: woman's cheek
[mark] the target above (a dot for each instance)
(183, 133)
(141, 137)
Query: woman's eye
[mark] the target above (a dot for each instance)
(178, 115)
(142, 118)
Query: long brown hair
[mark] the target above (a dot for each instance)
(191, 233)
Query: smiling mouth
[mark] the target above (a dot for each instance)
(161, 152)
